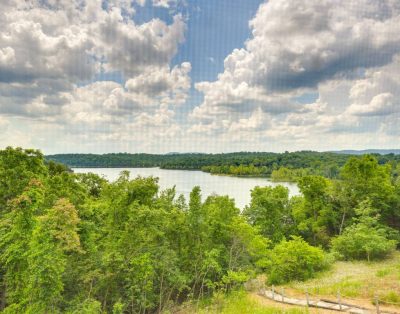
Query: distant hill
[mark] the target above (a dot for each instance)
(369, 151)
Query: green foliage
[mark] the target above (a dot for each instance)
(284, 174)
(382, 273)
(363, 178)
(269, 210)
(76, 243)
(280, 166)
(240, 302)
(17, 168)
(16, 231)
(118, 308)
(88, 306)
(241, 170)
(326, 164)
(366, 238)
(79, 244)
(295, 260)
(392, 297)
(313, 214)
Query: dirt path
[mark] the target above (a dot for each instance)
(272, 298)
(269, 303)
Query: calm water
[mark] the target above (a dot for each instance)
(237, 188)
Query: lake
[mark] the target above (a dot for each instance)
(235, 187)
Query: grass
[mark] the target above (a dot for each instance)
(354, 280)
(357, 280)
(234, 303)
(392, 297)
(383, 272)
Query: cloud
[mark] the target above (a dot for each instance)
(51, 53)
(49, 49)
(378, 94)
(113, 111)
(161, 82)
(297, 45)
(132, 49)
(3, 124)
(57, 58)
(382, 104)
(7, 56)
(161, 3)
(256, 122)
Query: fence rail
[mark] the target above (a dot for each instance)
(337, 305)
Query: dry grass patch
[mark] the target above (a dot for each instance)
(357, 279)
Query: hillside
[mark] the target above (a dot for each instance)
(368, 151)
(358, 283)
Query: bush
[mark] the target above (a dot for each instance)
(367, 238)
(295, 260)
(361, 242)
(88, 306)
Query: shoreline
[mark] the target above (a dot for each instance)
(172, 169)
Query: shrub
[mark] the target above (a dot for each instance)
(88, 306)
(360, 242)
(366, 239)
(295, 260)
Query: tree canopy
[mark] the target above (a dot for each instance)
(76, 243)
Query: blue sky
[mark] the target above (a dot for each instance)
(199, 75)
(214, 29)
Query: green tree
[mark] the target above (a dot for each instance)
(295, 260)
(17, 168)
(269, 210)
(16, 232)
(363, 178)
(53, 238)
(313, 215)
(366, 238)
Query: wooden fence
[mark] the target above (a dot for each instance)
(313, 300)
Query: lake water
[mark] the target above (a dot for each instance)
(235, 187)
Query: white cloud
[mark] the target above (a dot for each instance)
(256, 122)
(344, 54)
(378, 94)
(56, 58)
(107, 111)
(296, 45)
(133, 49)
(158, 83)
(7, 56)
(3, 124)
(50, 55)
(48, 48)
(160, 3)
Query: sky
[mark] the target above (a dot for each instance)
(159, 76)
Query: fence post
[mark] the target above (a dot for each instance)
(283, 293)
(339, 300)
(273, 293)
(377, 304)
(307, 298)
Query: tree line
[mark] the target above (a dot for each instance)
(76, 243)
(279, 166)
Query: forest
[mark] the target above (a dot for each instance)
(76, 243)
(295, 164)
